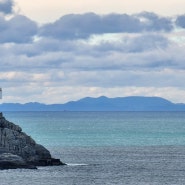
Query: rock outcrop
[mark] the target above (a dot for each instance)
(18, 150)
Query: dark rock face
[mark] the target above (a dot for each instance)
(12, 161)
(18, 150)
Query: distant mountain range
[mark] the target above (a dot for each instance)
(131, 103)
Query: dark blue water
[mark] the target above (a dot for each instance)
(105, 147)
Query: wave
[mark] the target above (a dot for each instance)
(75, 164)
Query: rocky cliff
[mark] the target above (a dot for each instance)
(18, 150)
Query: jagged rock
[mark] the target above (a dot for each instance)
(12, 161)
(20, 150)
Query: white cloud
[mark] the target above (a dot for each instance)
(148, 62)
(64, 94)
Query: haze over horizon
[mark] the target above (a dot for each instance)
(58, 51)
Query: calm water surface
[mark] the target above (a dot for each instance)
(105, 147)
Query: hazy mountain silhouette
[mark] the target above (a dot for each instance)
(131, 103)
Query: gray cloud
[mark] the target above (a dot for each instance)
(144, 51)
(180, 21)
(139, 43)
(6, 6)
(154, 22)
(18, 29)
(148, 42)
(76, 26)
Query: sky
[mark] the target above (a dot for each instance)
(57, 51)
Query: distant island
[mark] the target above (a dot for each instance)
(102, 103)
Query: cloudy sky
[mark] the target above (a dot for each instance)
(58, 51)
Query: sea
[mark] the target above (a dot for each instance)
(104, 148)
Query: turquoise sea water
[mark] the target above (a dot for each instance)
(102, 128)
(105, 147)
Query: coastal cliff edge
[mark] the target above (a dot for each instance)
(18, 150)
